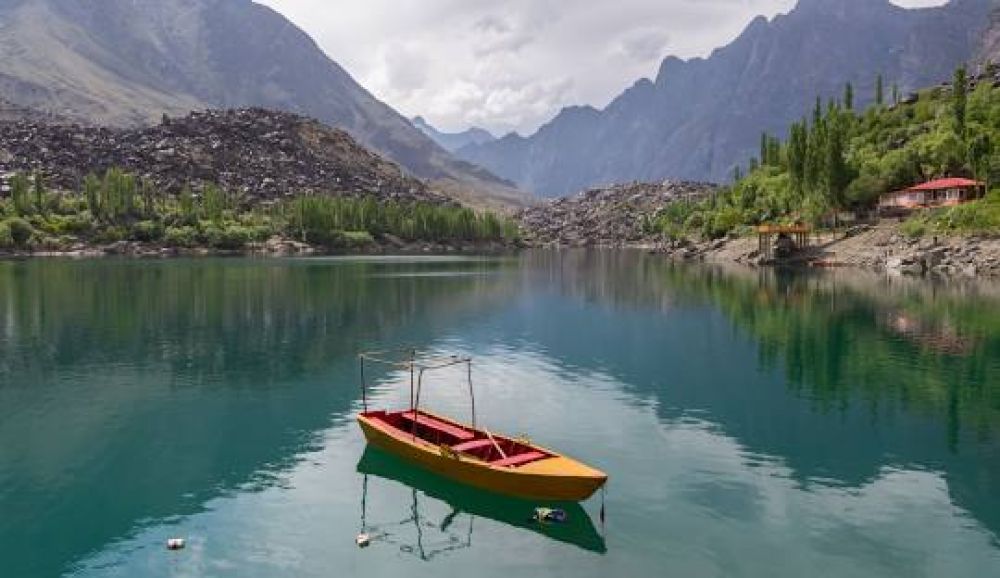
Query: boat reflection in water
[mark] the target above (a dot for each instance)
(434, 538)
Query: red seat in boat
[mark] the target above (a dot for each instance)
(519, 459)
(472, 445)
(438, 425)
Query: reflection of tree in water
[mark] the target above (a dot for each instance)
(840, 339)
(925, 347)
(106, 346)
(924, 393)
(204, 314)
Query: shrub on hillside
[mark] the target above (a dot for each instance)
(147, 231)
(184, 236)
(6, 240)
(19, 231)
(230, 237)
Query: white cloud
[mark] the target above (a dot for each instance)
(512, 64)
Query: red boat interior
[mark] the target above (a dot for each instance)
(498, 451)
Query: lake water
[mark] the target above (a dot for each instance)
(753, 424)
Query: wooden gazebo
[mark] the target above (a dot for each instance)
(772, 239)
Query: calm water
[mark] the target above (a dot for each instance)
(752, 424)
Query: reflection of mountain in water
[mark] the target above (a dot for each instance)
(181, 381)
(837, 396)
(578, 530)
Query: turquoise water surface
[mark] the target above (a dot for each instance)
(753, 423)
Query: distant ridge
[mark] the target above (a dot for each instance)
(701, 117)
(453, 141)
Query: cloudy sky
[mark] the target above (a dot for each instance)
(512, 64)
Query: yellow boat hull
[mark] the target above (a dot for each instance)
(553, 478)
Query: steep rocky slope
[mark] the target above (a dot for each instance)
(699, 118)
(126, 62)
(258, 154)
(606, 217)
(989, 50)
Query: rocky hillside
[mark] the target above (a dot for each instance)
(126, 62)
(261, 155)
(699, 118)
(606, 217)
(989, 50)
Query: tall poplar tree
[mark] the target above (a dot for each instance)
(960, 102)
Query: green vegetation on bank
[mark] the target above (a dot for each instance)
(839, 160)
(122, 207)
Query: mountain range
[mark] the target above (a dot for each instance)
(127, 62)
(700, 118)
(453, 141)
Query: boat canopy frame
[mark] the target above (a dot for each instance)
(409, 359)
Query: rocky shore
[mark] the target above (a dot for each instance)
(880, 247)
(615, 216)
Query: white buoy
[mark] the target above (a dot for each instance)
(363, 540)
(175, 544)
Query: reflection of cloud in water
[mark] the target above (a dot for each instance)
(903, 522)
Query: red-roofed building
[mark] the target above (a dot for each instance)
(937, 193)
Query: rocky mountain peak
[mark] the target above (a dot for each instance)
(704, 116)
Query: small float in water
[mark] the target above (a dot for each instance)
(466, 453)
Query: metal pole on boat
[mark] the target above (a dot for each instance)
(364, 396)
(416, 404)
(472, 394)
(413, 359)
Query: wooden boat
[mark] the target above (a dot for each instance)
(468, 454)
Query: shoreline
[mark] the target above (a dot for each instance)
(880, 248)
(273, 248)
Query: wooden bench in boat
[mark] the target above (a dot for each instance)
(472, 445)
(518, 459)
(439, 426)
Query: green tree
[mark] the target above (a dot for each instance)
(960, 99)
(39, 187)
(836, 171)
(879, 91)
(815, 156)
(980, 151)
(849, 96)
(798, 151)
(92, 193)
(213, 202)
(19, 186)
(186, 201)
